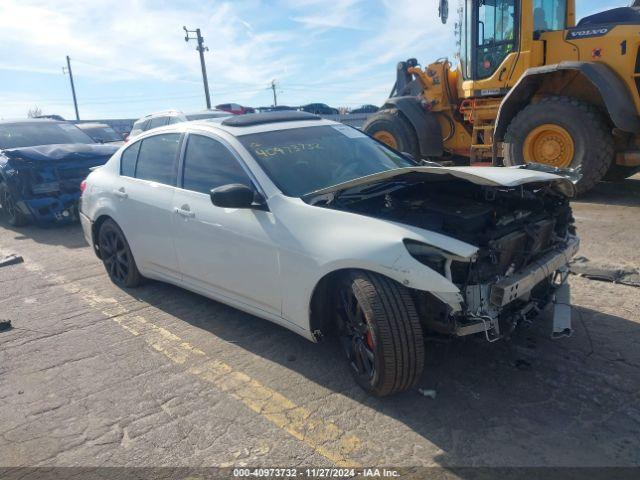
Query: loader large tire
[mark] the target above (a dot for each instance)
(561, 132)
(380, 332)
(392, 128)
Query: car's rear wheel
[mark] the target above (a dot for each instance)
(10, 208)
(116, 256)
(380, 332)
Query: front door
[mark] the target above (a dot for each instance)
(227, 252)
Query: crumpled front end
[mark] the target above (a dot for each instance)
(497, 305)
(524, 239)
(45, 183)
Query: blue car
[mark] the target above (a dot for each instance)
(42, 164)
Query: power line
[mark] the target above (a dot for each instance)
(201, 49)
(73, 88)
(275, 96)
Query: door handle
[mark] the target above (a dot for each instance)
(120, 193)
(184, 213)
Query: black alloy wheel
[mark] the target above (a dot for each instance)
(116, 256)
(380, 332)
(356, 335)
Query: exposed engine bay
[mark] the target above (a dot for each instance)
(525, 237)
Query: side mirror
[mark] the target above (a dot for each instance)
(234, 195)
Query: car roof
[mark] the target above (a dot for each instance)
(267, 117)
(32, 121)
(162, 112)
(215, 125)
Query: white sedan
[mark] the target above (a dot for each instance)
(319, 228)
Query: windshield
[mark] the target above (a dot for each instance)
(302, 160)
(16, 135)
(103, 134)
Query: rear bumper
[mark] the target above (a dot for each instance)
(59, 209)
(87, 228)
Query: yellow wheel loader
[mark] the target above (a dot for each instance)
(532, 86)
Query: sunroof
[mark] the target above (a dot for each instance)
(250, 119)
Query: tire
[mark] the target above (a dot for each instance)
(9, 208)
(392, 128)
(117, 257)
(593, 148)
(380, 333)
(619, 173)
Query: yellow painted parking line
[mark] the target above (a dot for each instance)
(325, 438)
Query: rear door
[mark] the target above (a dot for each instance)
(229, 253)
(145, 189)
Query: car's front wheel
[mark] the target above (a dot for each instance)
(116, 255)
(380, 332)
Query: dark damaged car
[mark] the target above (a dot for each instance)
(42, 164)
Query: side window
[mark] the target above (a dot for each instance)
(157, 158)
(174, 119)
(128, 160)
(549, 15)
(496, 35)
(157, 122)
(209, 164)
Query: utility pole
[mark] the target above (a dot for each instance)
(66, 70)
(201, 49)
(275, 96)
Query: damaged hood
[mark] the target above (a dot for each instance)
(64, 152)
(487, 176)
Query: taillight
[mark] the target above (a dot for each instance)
(83, 186)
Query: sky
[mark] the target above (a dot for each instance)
(129, 58)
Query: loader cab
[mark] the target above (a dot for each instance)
(493, 34)
(489, 34)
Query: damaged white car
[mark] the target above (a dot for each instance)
(319, 228)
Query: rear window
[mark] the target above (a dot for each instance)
(18, 135)
(157, 158)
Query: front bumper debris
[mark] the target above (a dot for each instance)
(516, 286)
(500, 307)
